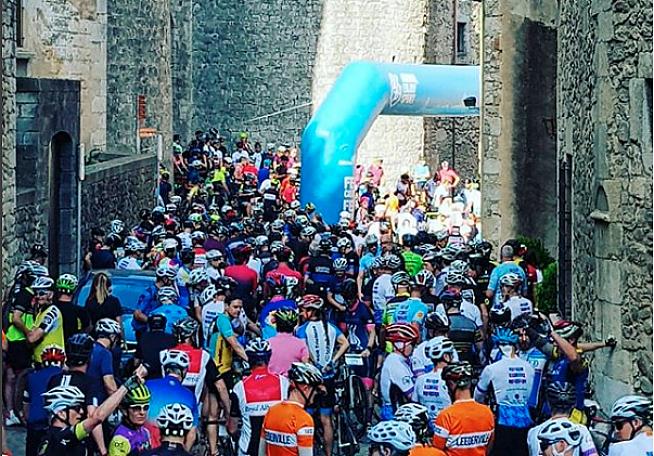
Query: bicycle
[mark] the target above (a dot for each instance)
(354, 399)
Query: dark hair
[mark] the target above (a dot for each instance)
(284, 326)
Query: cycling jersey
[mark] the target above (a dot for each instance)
(471, 311)
(358, 321)
(287, 430)
(167, 449)
(391, 305)
(51, 321)
(538, 361)
(511, 380)
(586, 448)
(396, 379)
(37, 384)
(168, 390)
(642, 444)
(69, 441)
(465, 428)
(559, 370)
(321, 343)
(464, 334)
(129, 263)
(431, 391)
(413, 310)
(286, 350)
(22, 303)
(420, 364)
(209, 313)
(518, 306)
(382, 291)
(320, 271)
(219, 348)
(129, 441)
(194, 379)
(500, 271)
(253, 397)
(424, 450)
(100, 366)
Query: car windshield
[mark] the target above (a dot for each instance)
(127, 289)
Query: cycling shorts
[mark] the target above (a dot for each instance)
(326, 401)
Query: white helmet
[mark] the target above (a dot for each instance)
(165, 270)
(631, 407)
(214, 254)
(340, 264)
(117, 226)
(107, 327)
(343, 243)
(438, 347)
(563, 429)
(61, 398)
(396, 434)
(174, 359)
(167, 295)
(197, 276)
(261, 240)
(208, 295)
(175, 419)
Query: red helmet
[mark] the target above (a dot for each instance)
(311, 301)
(53, 354)
(568, 329)
(402, 332)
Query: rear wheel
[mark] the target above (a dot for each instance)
(359, 406)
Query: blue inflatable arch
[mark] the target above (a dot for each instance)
(363, 91)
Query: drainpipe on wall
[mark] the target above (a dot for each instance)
(454, 31)
(81, 175)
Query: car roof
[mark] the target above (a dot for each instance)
(123, 273)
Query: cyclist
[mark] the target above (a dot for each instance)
(391, 438)
(74, 317)
(510, 381)
(430, 388)
(382, 288)
(285, 347)
(52, 360)
(282, 289)
(101, 368)
(561, 399)
(320, 270)
(327, 344)
(396, 379)
(153, 342)
(632, 419)
(416, 416)
(132, 436)
(423, 283)
(561, 438)
(466, 427)
(510, 284)
(186, 331)
(175, 423)
(287, 428)
(253, 396)
(48, 324)
(412, 261)
(401, 283)
(464, 333)
(506, 266)
(456, 281)
(437, 324)
(165, 276)
(65, 404)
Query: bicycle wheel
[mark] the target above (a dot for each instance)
(346, 441)
(359, 412)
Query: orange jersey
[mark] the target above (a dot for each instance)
(465, 428)
(422, 450)
(287, 427)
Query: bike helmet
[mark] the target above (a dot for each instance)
(500, 316)
(393, 262)
(167, 295)
(113, 240)
(325, 244)
(195, 218)
(198, 236)
(340, 265)
(311, 301)
(42, 283)
(175, 419)
(343, 243)
(460, 266)
(67, 283)
(378, 263)
(349, 289)
(276, 281)
(117, 226)
(107, 327)
(277, 225)
(631, 407)
(441, 235)
(137, 396)
(134, 245)
(291, 286)
(510, 280)
(214, 254)
(415, 415)
(402, 332)
(157, 322)
(197, 276)
(396, 434)
(208, 295)
(554, 431)
(158, 231)
(305, 373)
(561, 395)
(61, 398)
(39, 251)
(186, 328)
(261, 240)
(568, 329)
(455, 278)
(448, 254)
(175, 359)
(438, 347)
(53, 354)
(258, 350)
(289, 214)
(400, 279)
(437, 321)
(460, 373)
(450, 298)
(166, 271)
(302, 220)
(504, 336)
(371, 240)
(171, 207)
(308, 232)
(38, 270)
(408, 240)
(424, 278)
(78, 349)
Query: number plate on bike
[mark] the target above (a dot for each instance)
(353, 360)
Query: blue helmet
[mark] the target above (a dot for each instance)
(504, 336)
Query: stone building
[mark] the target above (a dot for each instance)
(566, 128)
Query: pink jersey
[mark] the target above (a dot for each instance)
(286, 349)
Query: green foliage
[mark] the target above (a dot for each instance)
(547, 291)
(543, 257)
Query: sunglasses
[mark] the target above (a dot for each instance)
(619, 424)
(140, 408)
(42, 293)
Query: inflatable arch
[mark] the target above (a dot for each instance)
(363, 91)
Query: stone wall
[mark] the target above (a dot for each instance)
(8, 139)
(67, 40)
(455, 140)
(182, 67)
(138, 63)
(518, 147)
(605, 119)
(117, 189)
(252, 60)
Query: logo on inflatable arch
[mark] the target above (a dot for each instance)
(403, 88)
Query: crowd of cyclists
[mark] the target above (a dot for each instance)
(259, 313)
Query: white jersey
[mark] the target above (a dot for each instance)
(382, 291)
(129, 264)
(209, 313)
(420, 364)
(472, 312)
(587, 447)
(431, 391)
(641, 445)
(518, 306)
(512, 380)
(395, 371)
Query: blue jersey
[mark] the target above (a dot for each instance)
(37, 384)
(100, 365)
(357, 321)
(559, 371)
(538, 360)
(146, 303)
(169, 390)
(321, 343)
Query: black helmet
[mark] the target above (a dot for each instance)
(408, 240)
(460, 373)
(157, 322)
(349, 289)
(39, 251)
(500, 316)
(437, 321)
(325, 243)
(78, 349)
(561, 395)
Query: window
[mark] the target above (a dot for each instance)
(19, 24)
(461, 37)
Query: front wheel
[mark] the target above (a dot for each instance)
(359, 406)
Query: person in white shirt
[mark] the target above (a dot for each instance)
(632, 419)
(510, 285)
(561, 437)
(430, 389)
